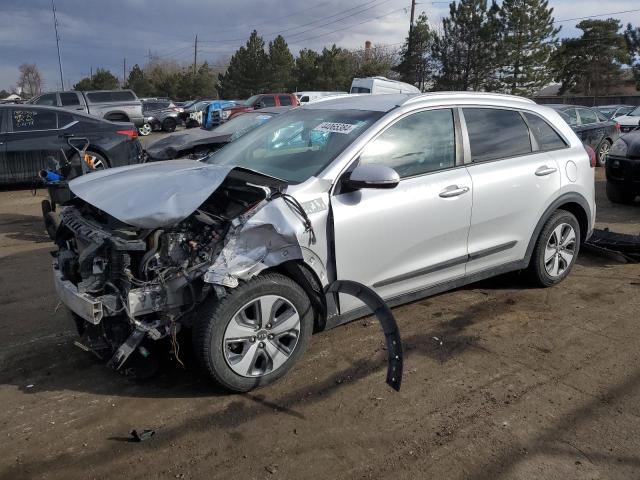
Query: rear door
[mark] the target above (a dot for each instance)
(413, 236)
(591, 128)
(32, 141)
(512, 184)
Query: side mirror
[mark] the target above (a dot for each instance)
(372, 176)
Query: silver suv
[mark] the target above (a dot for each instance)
(408, 194)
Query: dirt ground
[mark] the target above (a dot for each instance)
(501, 381)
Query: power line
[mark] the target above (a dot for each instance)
(598, 15)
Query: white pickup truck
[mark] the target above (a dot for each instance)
(114, 105)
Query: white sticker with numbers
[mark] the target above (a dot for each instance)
(335, 127)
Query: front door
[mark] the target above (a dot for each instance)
(415, 235)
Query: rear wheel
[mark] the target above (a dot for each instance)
(603, 152)
(255, 334)
(556, 249)
(145, 130)
(169, 124)
(617, 194)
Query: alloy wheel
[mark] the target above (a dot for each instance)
(261, 336)
(145, 130)
(603, 152)
(560, 250)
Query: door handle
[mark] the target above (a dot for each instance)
(544, 170)
(453, 191)
(66, 135)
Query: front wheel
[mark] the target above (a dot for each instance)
(556, 249)
(255, 334)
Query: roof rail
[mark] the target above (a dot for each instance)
(486, 95)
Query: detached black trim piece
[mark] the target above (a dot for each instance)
(387, 321)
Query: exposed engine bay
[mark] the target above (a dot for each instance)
(126, 283)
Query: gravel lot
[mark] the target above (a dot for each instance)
(501, 381)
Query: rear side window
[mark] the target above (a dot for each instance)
(64, 119)
(587, 116)
(360, 90)
(99, 97)
(495, 133)
(284, 100)
(25, 120)
(545, 135)
(68, 99)
(571, 116)
(419, 143)
(304, 99)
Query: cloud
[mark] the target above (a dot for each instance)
(98, 33)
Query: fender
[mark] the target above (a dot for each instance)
(569, 197)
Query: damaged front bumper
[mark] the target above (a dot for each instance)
(84, 305)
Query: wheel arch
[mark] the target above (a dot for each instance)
(571, 202)
(95, 148)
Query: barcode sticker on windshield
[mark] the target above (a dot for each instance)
(335, 127)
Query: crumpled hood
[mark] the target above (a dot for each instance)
(175, 144)
(151, 195)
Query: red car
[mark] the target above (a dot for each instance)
(263, 100)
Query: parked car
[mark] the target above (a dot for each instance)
(264, 100)
(409, 195)
(32, 136)
(215, 113)
(197, 143)
(629, 122)
(306, 97)
(114, 105)
(614, 111)
(623, 169)
(192, 112)
(159, 115)
(377, 85)
(591, 127)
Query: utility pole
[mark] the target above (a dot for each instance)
(55, 26)
(124, 72)
(413, 12)
(91, 74)
(195, 55)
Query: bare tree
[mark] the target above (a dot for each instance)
(30, 81)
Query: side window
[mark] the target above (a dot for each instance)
(268, 101)
(64, 119)
(587, 116)
(304, 99)
(24, 120)
(419, 143)
(48, 99)
(545, 135)
(496, 133)
(284, 100)
(69, 99)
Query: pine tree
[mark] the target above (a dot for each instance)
(528, 40)
(139, 83)
(467, 51)
(247, 73)
(306, 70)
(103, 79)
(632, 37)
(335, 69)
(281, 66)
(591, 64)
(416, 57)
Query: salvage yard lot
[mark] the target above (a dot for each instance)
(501, 381)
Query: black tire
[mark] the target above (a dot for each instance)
(537, 270)
(617, 194)
(214, 316)
(603, 152)
(169, 124)
(51, 224)
(191, 123)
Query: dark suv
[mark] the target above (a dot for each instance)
(263, 100)
(623, 169)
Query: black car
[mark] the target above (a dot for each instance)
(199, 142)
(593, 128)
(623, 169)
(32, 137)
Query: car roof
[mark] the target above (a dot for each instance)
(615, 105)
(561, 106)
(387, 102)
(274, 110)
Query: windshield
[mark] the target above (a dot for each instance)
(298, 144)
(251, 100)
(243, 123)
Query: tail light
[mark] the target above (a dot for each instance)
(617, 126)
(132, 134)
(592, 156)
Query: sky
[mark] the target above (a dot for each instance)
(99, 33)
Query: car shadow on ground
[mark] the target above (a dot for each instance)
(26, 228)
